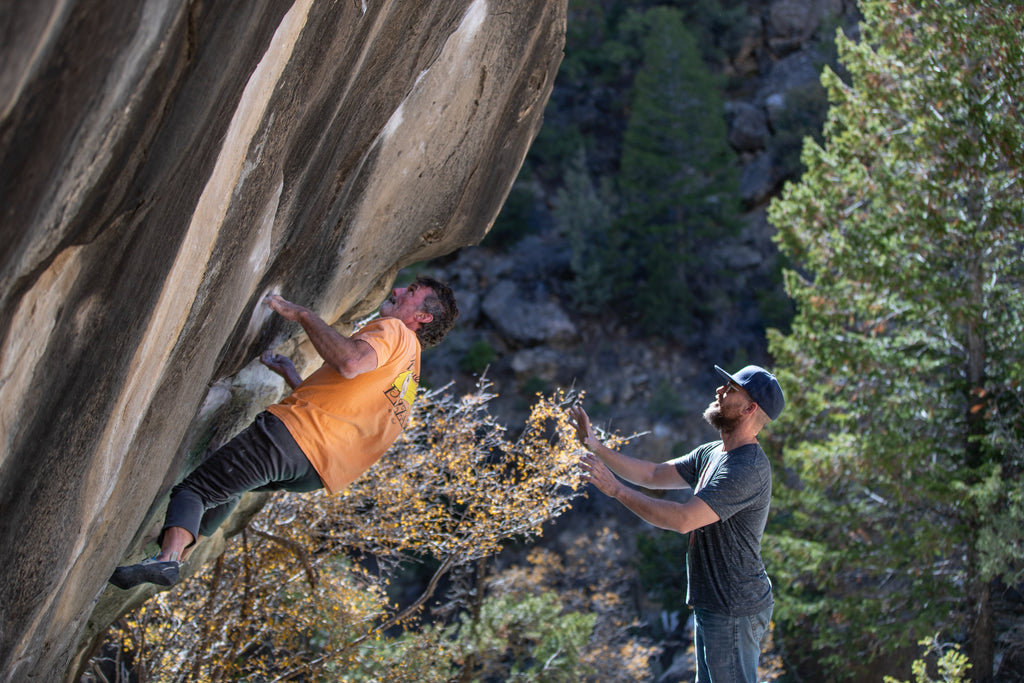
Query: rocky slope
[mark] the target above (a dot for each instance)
(164, 165)
(517, 298)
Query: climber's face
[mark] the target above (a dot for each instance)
(406, 304)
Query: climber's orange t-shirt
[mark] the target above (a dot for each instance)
(345, 425)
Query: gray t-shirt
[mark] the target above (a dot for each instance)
(723, 564)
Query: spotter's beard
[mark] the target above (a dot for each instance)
(714, 416)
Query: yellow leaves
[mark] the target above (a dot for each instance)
(286, 601)
(456, 474)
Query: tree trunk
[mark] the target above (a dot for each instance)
(981, 643)
(975, 366)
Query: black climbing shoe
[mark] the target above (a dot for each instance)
(147, 571)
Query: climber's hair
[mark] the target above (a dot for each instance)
(440, 304)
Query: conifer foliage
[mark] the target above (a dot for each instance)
(677, 172)
(643, 203)
(904, 364)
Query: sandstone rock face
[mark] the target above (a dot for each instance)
(165, 164)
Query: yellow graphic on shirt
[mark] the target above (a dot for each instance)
(402, 393)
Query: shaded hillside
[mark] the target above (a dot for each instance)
(552, 293)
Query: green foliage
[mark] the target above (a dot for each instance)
(422, 655)
(675, 161)
(902, 366)
(999, 543)
(477, 357)
(590, 29)
(802, 117)
(515, 220)
(952, 665)
(534, 385)
(720, 26)
(586, 214)
(677, 176)
(641, 243)
(591, 578)
(661, 567)
(524, 638)
(555, 617)
(591, 79)
(555, 147)
(775, 307)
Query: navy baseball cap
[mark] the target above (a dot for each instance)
(762, 387)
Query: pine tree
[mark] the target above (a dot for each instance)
(904, 363)
(677, 173)
(585, 213)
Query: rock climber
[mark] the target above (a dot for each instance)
(330, 429)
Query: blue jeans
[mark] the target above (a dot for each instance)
(727, 648)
